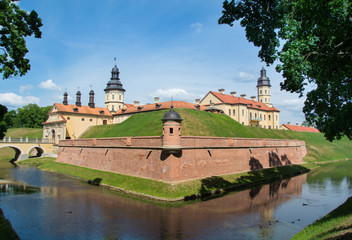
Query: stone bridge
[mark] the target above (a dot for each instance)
(23, 147)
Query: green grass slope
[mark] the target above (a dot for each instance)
(24, 132)
(198, 123)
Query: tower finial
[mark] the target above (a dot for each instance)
(115, 60)
(172, 102)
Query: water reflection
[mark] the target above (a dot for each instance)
(15, 188)
(63, 208)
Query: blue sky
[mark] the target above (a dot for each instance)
(163, 49)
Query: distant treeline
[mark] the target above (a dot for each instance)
(29, 116)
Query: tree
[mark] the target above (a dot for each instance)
(15, 25)
(317, 49)
(3, 127)
(31, 116)
(10, 119)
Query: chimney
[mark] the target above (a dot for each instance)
(233, 94)
(197, 101)
(221, 90)
(297, 124)
(78, 99)
(288, 123)
(91, 103)
(65, 102)
(243, 95)
(253, 98)
(136, 103)
(156, 100)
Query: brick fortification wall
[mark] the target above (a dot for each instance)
(200, 157)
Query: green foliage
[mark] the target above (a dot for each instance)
(10, 119)
(29, 116)
(15, 25)
(3, 126)
(317, 49)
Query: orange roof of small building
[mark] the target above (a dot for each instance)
(81, 110)
(130, 109)
(300, 128)
(229, 99)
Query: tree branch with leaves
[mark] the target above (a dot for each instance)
(15, 25)
(317, 49)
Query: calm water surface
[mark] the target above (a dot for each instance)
(42, 205)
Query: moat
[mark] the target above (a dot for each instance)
(43, 205)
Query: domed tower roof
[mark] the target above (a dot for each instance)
(172, 116)
(263, 80)
(114, 83)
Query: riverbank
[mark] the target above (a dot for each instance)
(190, 190)
(6, 230)
(336, 225)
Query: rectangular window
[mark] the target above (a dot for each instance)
(229, 112)
(264, 117)
(234, 112)
(171, 131)
(269, 117)
(242, 112)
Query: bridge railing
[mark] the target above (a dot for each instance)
(23, 140)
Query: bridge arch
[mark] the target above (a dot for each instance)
(22, 152)
(18, 151)
(39, 149)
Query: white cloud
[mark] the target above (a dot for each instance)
(197, 27)
(50, 85)
(292, 104)
(171, 92)
(244, 76)
(13, 99)
(178, 94)
(24, 88)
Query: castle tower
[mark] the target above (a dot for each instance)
(114, 92)
(172, 131)
(263, 86)
(78, 99)
(91, 103)
(65, 102)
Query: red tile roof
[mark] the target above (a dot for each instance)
(301, 128)
(82, 110)
(229, 99)
(130, 109)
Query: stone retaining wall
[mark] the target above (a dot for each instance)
(200, 157)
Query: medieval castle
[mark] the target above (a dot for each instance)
(70, 121)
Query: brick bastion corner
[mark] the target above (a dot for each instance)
(195, 157)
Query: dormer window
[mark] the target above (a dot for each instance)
(157, 105)
(101, 112)
(75, 109)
